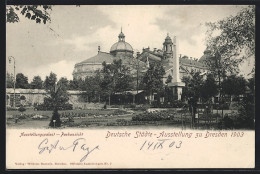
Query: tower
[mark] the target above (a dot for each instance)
(167, 47)
(171, 58)
(175, 62)
(121, 37)
(167, 51)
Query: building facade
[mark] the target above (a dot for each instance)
(175, 65)
(119, 50)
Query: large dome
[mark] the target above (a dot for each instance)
(121, 45)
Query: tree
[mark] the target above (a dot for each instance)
(236, 40)
(168, 91)
(36, 83)
(107, 84)
(57, 98)
(231, 41)
(64, 81)
(38, 13)
(246, 118)
(50, 81)
(92, 87)
(153, 80)
(209, 89)
(21, 81)
(169, 79)
(9, 80)
(192, 91)
(73, 84)
(234, 86)
(116, 78)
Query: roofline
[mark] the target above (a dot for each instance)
(86, 63)
(123, 50)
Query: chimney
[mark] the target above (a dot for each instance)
(154, 50)
(137, 53)
(98, 49)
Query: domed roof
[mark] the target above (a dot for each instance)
(207, 56)
(168, 40)
(121, 45)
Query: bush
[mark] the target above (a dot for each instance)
(21, 109)
(119, 112)
(43, 107)
(22, 97)
(158, 116)
(9, 108)
(173, 104)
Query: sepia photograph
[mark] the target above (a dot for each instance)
(128, 72)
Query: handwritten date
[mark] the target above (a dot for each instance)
(160, 144)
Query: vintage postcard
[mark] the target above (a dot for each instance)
(121, 87)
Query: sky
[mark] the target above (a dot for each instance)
(74, 34)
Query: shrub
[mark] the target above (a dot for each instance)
(22, 97)
(21, 109)
(158, 116)
(119, 112)
(43, 107)
(172, 104)
(9, 108)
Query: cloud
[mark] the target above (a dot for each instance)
(62, 68)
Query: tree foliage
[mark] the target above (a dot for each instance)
(36, 83)
(193, 88)
(57, 96)
(153, 79)
(74, 84)
(192, 91)
(9, 80)
(116, 77)
(92, 87)
(209, 88)
(246, 109)
(21, 81)
(232, 39)
(38, 13)
(234, 85)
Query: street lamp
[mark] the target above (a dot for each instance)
(10, 61)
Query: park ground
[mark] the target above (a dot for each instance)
(111, 117)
